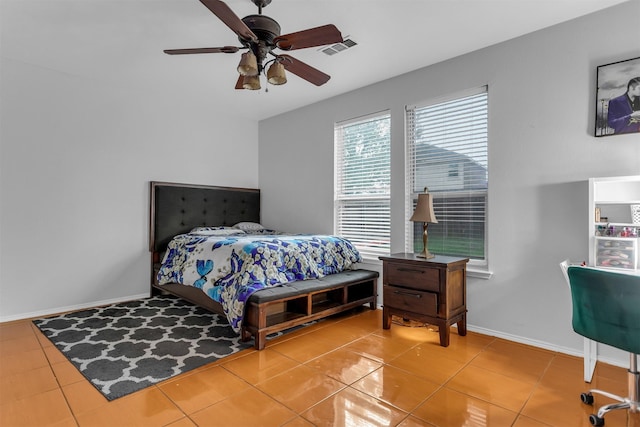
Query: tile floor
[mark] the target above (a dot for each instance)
(346, 371)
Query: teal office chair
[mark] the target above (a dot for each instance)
(606, 309)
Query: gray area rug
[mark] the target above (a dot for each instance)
(122, 348)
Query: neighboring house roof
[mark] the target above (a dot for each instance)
(462, 171)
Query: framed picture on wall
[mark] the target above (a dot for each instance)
(618, 98)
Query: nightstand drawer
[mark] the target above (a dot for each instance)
(411, 300)
(426, 279)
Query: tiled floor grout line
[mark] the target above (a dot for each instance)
(468, 363)
(53, 372)
(535, 387)
(175, 404)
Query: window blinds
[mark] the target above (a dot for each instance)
(362, 197)
(447, 153)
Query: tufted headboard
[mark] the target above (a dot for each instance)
(177, 208)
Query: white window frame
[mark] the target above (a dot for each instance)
(411, 192)
(373, 238)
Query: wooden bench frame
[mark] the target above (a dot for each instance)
(330, 295)
(287, 311)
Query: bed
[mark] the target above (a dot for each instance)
(195, 228)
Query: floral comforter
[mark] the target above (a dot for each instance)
(230, 268)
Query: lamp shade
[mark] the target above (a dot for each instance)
(251, 82)
(248, 65)
(275, 74)
(424, 209)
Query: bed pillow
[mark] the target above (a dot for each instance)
(215, 231)
(249, 227)
(266, 231)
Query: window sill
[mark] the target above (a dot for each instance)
(480, 274)
(370, 260)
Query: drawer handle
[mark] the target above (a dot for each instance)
(411, 270)
(411, 294)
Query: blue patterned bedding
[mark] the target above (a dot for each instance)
(229, 268)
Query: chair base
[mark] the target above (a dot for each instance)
(631, 402)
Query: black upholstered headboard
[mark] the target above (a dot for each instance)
(177, 208)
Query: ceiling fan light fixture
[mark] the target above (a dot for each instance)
(276, 74)
(260, 35)
(248, 65)
(251, 82)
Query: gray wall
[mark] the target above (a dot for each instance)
(541, 154)
(76, 159)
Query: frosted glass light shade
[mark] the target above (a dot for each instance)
(251, 82)
(276, 75)
(248, 65)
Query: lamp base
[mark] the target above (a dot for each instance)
(425, 254)
(425, 247)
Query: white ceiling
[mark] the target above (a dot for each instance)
(120, 42)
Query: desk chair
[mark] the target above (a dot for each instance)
(606, 309)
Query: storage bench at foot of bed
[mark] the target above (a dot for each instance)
(275, 309)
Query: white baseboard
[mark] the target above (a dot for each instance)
(58, 310)
(544, 345)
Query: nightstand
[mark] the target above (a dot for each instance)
(431, 290)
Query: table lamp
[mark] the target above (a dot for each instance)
(424, 213)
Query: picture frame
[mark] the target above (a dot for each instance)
(617, 84)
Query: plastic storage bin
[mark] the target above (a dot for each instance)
(617, 252)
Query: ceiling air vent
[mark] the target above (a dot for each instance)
(338, 47)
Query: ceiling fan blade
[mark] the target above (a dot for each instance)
(312, 37)
(226, 15)
(224, 49)
(302, 70)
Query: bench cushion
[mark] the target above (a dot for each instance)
(303, 287)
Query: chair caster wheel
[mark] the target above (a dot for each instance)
(587, 398)
(595, 420)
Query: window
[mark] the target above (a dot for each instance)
(447, 153)
(362, 187)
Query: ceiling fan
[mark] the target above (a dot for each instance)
(260, 35)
